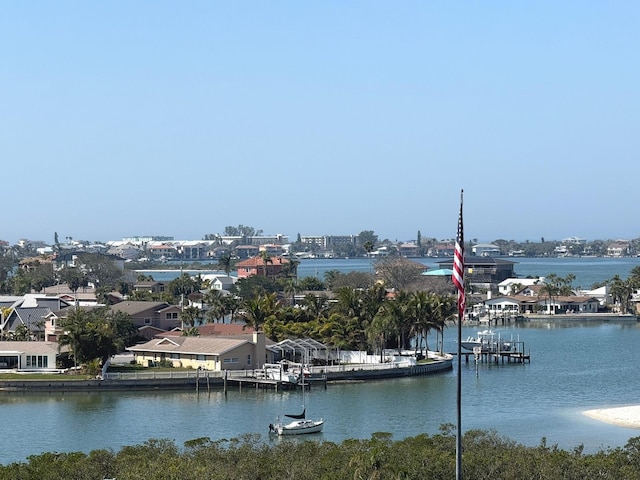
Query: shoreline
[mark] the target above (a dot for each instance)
(206, 382)
(628, 417)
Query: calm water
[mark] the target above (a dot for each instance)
(574, 367)
(587, 271)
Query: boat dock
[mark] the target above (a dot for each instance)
(492, 353)
(277, 385)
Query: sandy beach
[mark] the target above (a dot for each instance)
(623, 416)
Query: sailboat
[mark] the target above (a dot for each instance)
(300, 423)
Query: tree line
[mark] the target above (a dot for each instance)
(487, 455)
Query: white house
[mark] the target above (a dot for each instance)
(521, 304)
(507, 286)
(485, 250)
(28, 356)
(219, 282)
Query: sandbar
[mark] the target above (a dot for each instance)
(622, 416)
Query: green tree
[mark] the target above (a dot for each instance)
(621, 291)
(225, 262)
(101, 270)
(190, 315)
(96, 334)
(257, 310)
(215, 305)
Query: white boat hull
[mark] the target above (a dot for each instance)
(300, 427)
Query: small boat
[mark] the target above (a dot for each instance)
(279, 372)
(296, 427)
(300, 424)
(482, 340)
(488, 341)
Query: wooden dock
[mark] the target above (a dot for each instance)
(277, 385)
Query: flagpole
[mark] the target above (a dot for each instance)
(458, 280)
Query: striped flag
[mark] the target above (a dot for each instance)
(458, 266)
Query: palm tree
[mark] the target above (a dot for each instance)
(74, 331)
(214, 300)
(315, 306)
(421, 308)
(190, 315)
(266, 258)
(258, 309)
(190, 332)
(225, 263)
(621, 291)
(291, 288)
(231, 305)
(368, 247)
(551, 289)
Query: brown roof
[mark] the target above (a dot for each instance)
(259, 262)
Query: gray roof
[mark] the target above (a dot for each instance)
(32, 348)
(133, 308)
(29, 317)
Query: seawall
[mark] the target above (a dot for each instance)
(204, 382)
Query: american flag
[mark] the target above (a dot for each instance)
(458, 266)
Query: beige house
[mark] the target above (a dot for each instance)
(208, 353)
(161, 315)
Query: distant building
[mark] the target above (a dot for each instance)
(257, 266)
(485, 250)
(483, 272)
(618, 249)
(409, 249)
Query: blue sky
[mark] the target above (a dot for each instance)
(334, 117)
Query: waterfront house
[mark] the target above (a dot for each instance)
(523, 304)
(257, 266)
(219, 282)
(409, 249)
(618, 249)
(161, 315)
(485, 250)
(210, 352)
(513, 286)
(150, 286)
(28, 356)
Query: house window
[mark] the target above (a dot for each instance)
(249, 359)
(201, 358)
(39, 361)
(175, 356)
(231, 360)
(147, 321)
(167, 316)
(174, 315)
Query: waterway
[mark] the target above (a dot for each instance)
(574, 367)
